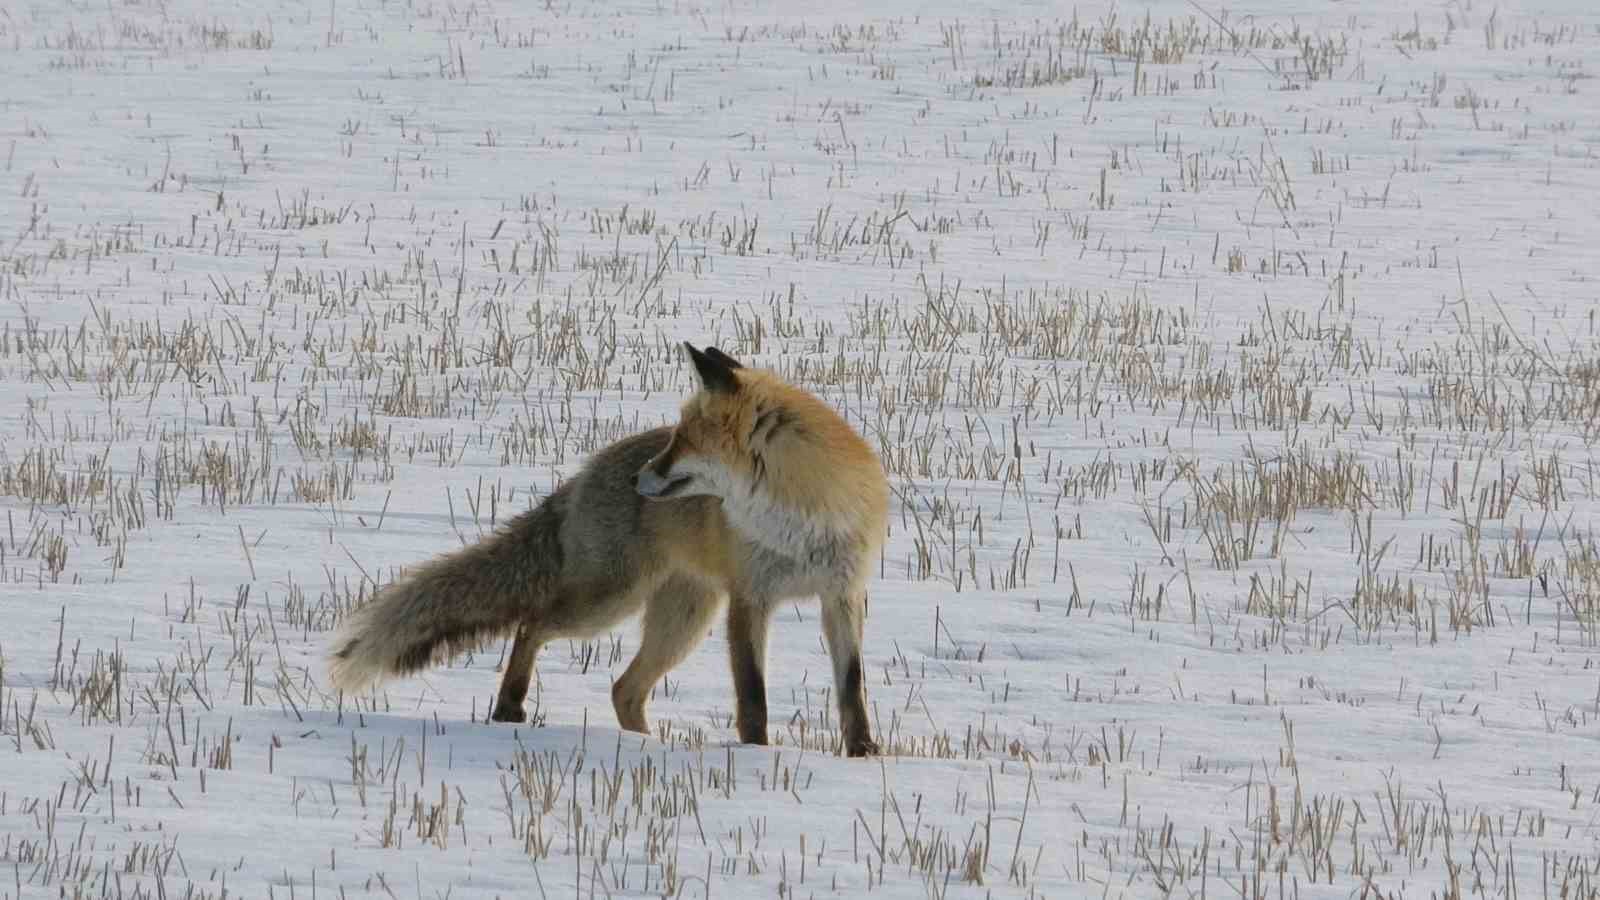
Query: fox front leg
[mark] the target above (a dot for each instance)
(747, 654)
(843, 618)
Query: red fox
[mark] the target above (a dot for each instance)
(761, 493)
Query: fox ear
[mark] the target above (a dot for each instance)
(715, 373)
(725, 359)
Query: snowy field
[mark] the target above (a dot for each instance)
(1236, 370)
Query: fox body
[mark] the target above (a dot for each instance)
(761, 493)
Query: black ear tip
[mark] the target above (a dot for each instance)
(717, 354)
(713, 367)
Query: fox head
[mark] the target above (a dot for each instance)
(717, 444)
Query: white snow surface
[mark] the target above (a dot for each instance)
(1235, 368)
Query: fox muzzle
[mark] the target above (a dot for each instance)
(652, 484)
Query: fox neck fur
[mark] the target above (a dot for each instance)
(776, 527)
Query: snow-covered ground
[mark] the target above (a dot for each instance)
(1236, 369)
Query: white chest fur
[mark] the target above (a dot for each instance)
(777, 527)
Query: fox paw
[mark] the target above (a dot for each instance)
(509, 713)
(864, 746)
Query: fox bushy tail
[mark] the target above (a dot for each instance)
(452, 603)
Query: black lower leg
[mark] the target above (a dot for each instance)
(514, 682)
(746, 646)
(853, 712)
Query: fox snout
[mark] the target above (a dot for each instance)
(655, 481)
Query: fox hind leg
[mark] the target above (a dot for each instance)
(747, 653)
(843, 619)
(676, 618)
(518, 673)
